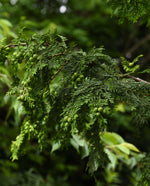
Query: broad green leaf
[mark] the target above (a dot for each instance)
(123, 149)
(132, 162)
(12, 34)
(130, 146)
(94, 166)
(85, 151)
(5, 22)
(74, 144)
(5, 79)
(5, 29)
(112, 157)
(4, 71)
(120, 154)
(111, 138)
(78, 140)
(55, 146)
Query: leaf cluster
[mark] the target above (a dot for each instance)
(131, 10)
(69, 96)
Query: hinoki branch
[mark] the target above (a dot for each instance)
(59, 70)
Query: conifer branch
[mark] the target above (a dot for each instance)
(59, 70)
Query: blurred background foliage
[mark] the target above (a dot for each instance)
(87, 23)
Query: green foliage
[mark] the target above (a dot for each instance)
(130, 9)
(69, 96)
(145, 169)
(131, 67)
(66, 102)
(5, 29)
(117, 149)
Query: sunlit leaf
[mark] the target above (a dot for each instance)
(55, 146)
(130, 146)
(123, 149)
(111, 138)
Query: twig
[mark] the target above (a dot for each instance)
(15, 45)
(59, 70)
(137, 79)
(58, 54)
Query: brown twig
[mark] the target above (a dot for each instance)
(59, 70)
(15, 45)
(137, 79)
(58, 54)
